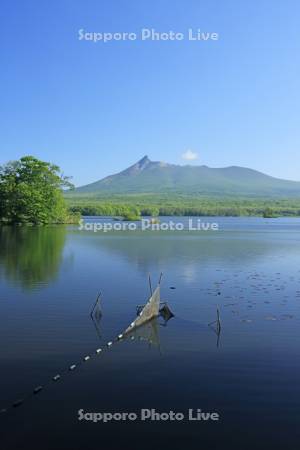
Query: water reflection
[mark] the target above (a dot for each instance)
(96, 316)
(31, 255)
(148, 332)
(146, 250)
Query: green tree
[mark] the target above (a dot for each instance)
(268, 213)
(31, 192)
(131, 214)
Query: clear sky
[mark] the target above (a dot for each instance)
(95, 108)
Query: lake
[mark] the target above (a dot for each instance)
(248, 373)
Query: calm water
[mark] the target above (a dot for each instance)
(249, 375)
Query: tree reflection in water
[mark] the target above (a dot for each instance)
(31, 255)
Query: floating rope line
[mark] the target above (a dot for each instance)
(58, 376)
(55, 378)
(149, 311)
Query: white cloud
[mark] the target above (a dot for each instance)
(189, 155)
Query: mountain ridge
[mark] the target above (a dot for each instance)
(150, 177)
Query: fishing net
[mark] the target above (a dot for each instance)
(150, 310)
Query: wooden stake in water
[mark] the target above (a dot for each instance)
(160, 277)
(218, 321)
(150, 285)
(96, 302)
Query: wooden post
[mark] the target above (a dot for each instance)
(93, 308)
(150, 285)
(218, 320)
(160, 277)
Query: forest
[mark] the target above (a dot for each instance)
(165, 205)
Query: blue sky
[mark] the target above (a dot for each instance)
(95, 108)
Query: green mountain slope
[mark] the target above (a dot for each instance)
(150, 177)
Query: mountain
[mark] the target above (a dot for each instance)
(156, 177)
